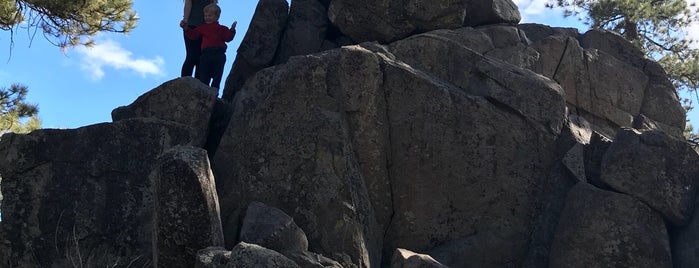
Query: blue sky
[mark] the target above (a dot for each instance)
(82, 86)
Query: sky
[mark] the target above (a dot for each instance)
(81, 86)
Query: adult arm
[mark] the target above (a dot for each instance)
(185, 12)
(193, 34)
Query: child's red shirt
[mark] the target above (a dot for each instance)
(212, 34)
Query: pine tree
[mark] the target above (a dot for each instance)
(68, 23)
(15, 114)
(657, 27)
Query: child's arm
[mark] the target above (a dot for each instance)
(230, 33)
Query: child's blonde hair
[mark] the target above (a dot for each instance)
(213, 8)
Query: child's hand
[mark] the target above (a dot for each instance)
(234, 24)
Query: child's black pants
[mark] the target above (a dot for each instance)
(211, 63)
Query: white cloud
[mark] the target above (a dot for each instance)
(530, 9)
(693, 33)
(109, 54)
(693, 29)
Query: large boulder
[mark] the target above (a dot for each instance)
(540, 100)
(510, 45)
(183, 100)
(655, 168)
(661, 104)
(446, 190)
(300, 160)
(246, 255)
(606, 229)
(617, 95)
(272, 228)
(259, 45)
(262, 38)
(306, 30)
(307, 259)
(607, 80)
(82, 195)
(212, 257)
(501, 42)
(535, 32)
(186, 207)
(482, 12)
(387, 21)
(613, 44)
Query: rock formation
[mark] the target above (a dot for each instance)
(367, 134)
(82, 196)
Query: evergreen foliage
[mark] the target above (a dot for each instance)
(692, 137)
(15, 114)
(68, 23)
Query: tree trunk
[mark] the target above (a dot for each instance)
(630, 30)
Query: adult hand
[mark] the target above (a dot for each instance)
(183, 24)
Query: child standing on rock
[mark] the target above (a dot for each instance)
(213, 45)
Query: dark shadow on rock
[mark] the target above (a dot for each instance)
(220, 118)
